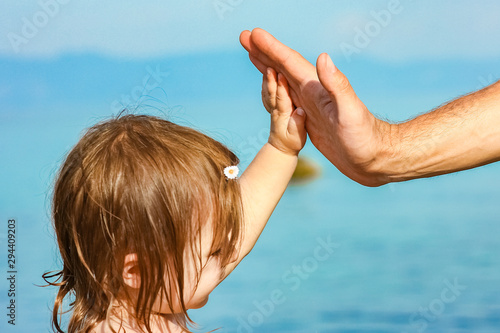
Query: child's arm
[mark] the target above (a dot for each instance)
(266, 178)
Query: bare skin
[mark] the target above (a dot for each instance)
(460, 135)
(266, 178)
(262, 185)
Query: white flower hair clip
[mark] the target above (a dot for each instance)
(231, 172)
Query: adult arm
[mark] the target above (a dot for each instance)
(460, 135)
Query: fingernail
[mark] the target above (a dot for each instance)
(280, 79)
(329, 64)
(268, 70)
(300, 111)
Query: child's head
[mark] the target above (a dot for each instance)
(145, 218)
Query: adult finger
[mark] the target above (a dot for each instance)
(334, 81)
(272, 53)
(296, 125)
(259, 65)
(245, 39)
(246, 42)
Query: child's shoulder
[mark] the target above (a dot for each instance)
(159, 324)
(103, 327)
(98, 329)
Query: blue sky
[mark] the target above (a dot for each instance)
(445, 48)
(416, 30)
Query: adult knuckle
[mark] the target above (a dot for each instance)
(343, 84)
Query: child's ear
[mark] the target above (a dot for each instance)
(131, 274)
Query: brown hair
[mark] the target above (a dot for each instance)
(138, 184)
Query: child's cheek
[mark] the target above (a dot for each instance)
(209, 279)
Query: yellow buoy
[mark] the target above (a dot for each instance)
(306, 171)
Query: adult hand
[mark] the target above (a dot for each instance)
(459, 135)
(338, 123)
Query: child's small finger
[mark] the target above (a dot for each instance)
(269, 88)
(283, 99)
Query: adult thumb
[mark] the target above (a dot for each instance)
(334, 81)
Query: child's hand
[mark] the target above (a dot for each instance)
(288, 132)
(266, 178)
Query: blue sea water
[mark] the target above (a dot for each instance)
(421, 256)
